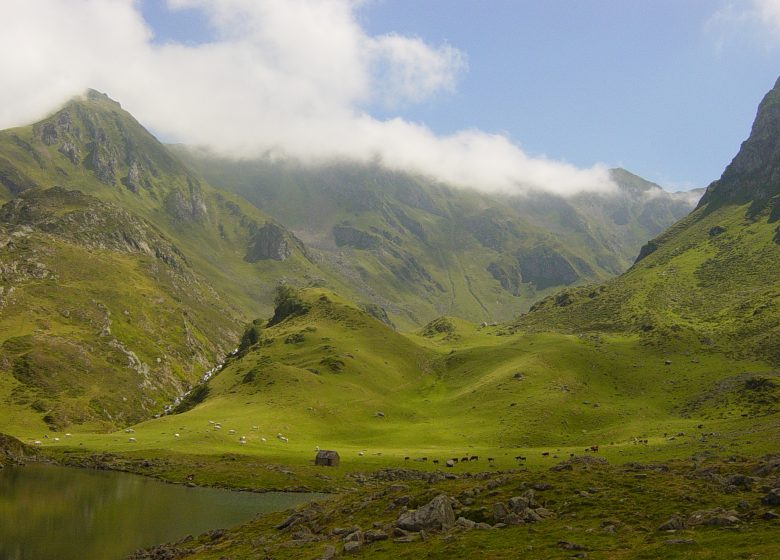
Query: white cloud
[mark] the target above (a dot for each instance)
(752, 20)
(769, 10)
(287, 77)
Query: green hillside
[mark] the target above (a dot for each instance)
(124, 276)
(94, 146)
(711, 279)
(623, 407)
(421, 249)
(103, 318)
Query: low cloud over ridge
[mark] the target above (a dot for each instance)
(287, 78)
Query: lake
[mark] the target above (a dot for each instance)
(59, 513)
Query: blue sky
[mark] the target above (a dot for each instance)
(495, 95)
(665, 88)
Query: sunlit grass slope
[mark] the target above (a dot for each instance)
(336, 378)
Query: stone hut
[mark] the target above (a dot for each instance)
(327, 458)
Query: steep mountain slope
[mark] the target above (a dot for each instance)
(93, 145)
(421, 249)
(103, 319)
(127, 281)
(712, 278)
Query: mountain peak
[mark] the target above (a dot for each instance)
(754, 173)
(95, 95)
(92, 130)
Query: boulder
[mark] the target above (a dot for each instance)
(675, 523)
(518, 504)
(718, 517)
(436, 514)
(500, 512)
(352, 547)
(374, 535)
(464, 523)
(772, 498)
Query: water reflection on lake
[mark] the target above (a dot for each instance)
(58, 513)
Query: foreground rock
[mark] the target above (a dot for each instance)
(436, 515)
(520, 509)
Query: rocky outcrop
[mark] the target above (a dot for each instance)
(378, 312)
(188, 206)
(89, 222)
(545, 267)
(13, 179)
(103, 158)
(508, 276)
(136, 177)
(13, 451)
(491, 231)
(269, 242)
(346, 235)
(435, 515)
(754, 173)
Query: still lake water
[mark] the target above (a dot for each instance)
(59, 513)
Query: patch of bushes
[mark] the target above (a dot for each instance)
(287, 304)
(196, 396)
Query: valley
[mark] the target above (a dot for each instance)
(594, 406)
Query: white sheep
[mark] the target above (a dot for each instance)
(231, 432)
(132, 440)
(262, 439)
(176, 435)
(129, 431)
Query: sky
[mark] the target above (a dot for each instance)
(497, 95)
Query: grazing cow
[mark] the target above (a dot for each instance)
(490, 459)
(545, 453)
(435, 461)
(519, 458)
(454, 459)
(406, 458)
(425, 458)
(464, 460)
(474, 458)
(594, 448)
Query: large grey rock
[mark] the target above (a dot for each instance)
(373, 535)
(269, 243)
(436, 514)
(772, 498)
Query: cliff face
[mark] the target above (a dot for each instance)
(270, 242)
(754, 173)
